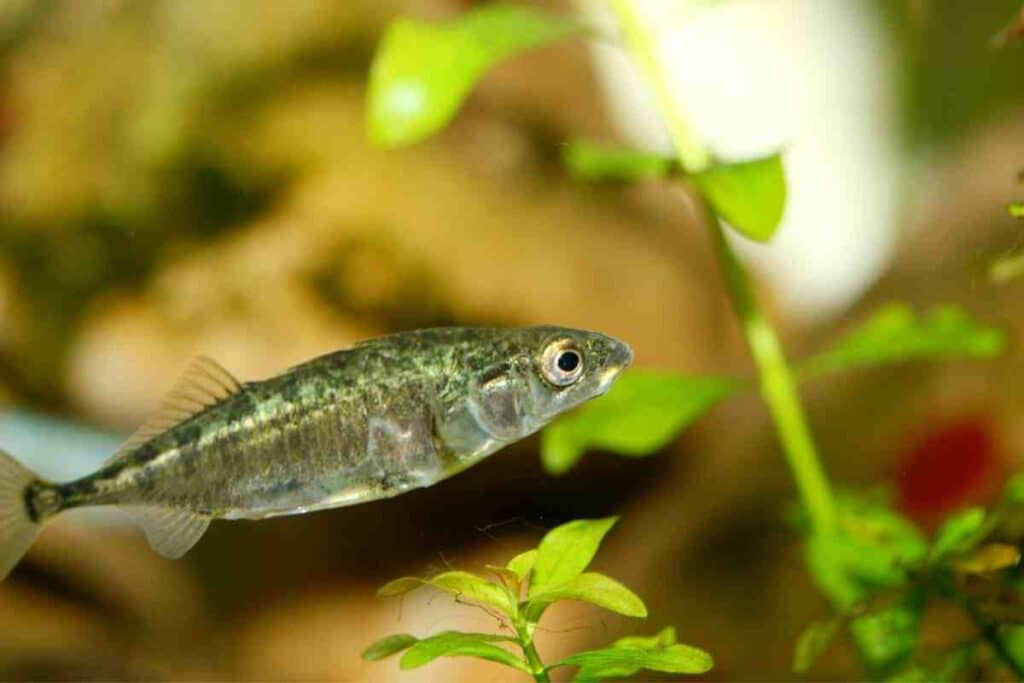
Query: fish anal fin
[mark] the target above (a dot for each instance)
(171, 532)
(204, 383)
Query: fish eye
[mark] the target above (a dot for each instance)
(567, 360)
(562, 364)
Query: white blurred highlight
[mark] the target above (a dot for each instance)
(814, 78)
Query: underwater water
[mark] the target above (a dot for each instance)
(715, 306)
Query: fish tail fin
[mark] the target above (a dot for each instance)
(19, 523)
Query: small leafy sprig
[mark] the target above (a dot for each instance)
(522, 591)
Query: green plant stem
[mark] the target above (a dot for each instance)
(777, 387)
(540, 674)
(692, 152)
(776, 379)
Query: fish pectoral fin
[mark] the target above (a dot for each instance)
(170, 532)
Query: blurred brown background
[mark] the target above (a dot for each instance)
(186, 177)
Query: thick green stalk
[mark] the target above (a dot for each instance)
(777, 388)
(525, 636)
(776, 379)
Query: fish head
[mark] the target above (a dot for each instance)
(545, 372)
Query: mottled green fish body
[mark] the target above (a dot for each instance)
(388, 415)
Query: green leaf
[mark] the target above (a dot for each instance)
(522, 563)
(612, 662)
(456, 644)
(641, 414)
(400, 586)
(460, 584)
(749, 195)
(872, 547)
(1016, 209)
(958, 533)
(664, 638)
(595, 162)
(812, 642)
(893, 335)
(423, 72)
(471, 587)
(591, 587)
(887, 638)
(507, 576)
(389, 645)
(567, 550)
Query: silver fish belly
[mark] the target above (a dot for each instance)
(274, 449)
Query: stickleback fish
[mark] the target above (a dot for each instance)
(387, 416)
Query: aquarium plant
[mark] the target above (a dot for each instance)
(878, 570)
(518, 596)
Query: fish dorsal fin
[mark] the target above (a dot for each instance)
(203, 383)
(170, 532)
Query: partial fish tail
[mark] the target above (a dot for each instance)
(25, 502)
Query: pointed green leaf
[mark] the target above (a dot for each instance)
(456, 644)
(471, 587)
(958, 533)
(522, 563)
(460, 584)
(422, 72)
(507, 576)
(749, 195)
(664, 638)
(888, 638)
(812, 642)
(893, 335)
(641, 414)
(389, 645)
(597, 589)
(679, 659)
(596, 162)
(400, 586)
(611, 662)
(567, 550)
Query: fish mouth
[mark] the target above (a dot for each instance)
(619, 359)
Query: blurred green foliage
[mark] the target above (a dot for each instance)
(882, 574)
(641, 415)
(423, 72)
(893, 335)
